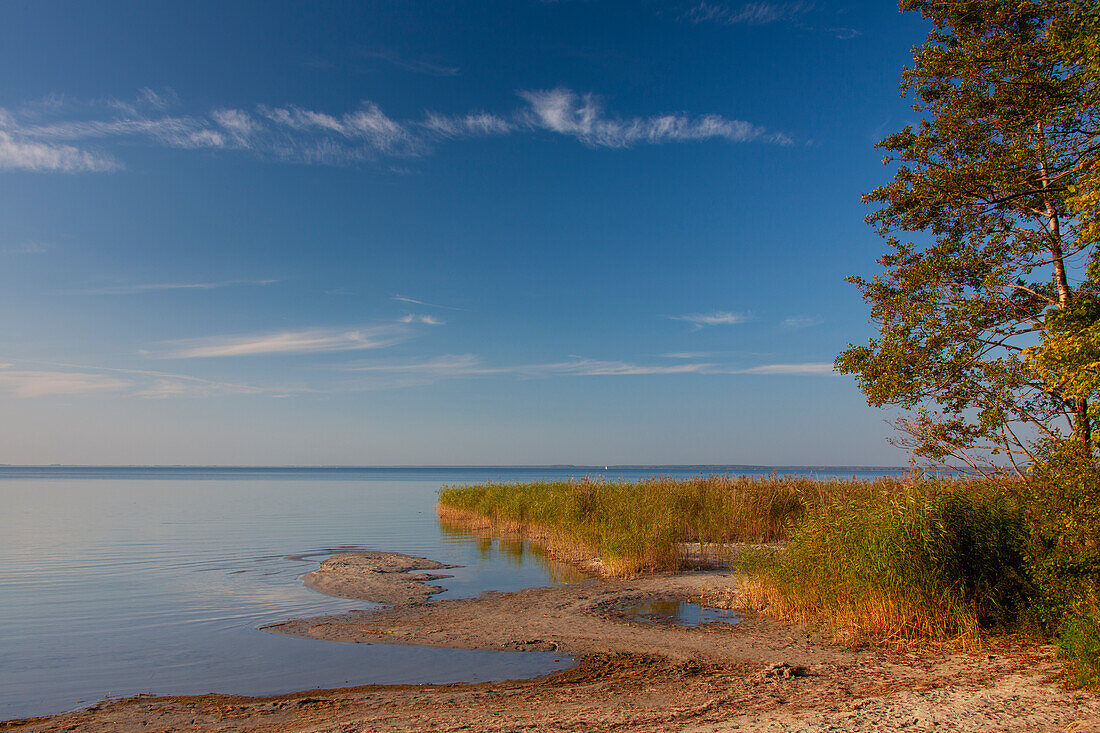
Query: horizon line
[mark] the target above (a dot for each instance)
(456, 465)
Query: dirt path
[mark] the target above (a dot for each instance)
(633, 675)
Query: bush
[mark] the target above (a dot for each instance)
(876, 561)
(934, 560)
(1063, 510)
(1078, 640)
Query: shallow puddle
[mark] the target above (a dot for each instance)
(680, 613)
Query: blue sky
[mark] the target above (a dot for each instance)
(440, 232)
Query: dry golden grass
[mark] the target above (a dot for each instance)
(638, 526)
(889, 559)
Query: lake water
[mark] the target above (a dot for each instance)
(119, 581)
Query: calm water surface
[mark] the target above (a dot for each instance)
(118, 581)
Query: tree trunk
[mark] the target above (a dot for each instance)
(1054, 228)
(1082, 429)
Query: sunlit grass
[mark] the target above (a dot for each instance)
(889, 560)
(893, 558)
(928, 560)
(638, 526)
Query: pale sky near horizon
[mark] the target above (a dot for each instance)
(378, 233)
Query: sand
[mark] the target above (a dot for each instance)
(378, 577)
(756, 675)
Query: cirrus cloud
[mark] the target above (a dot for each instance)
(25, 383)
(308, 341)
(715, 318)
(45, 138)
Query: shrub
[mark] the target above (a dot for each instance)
(1063, 510)
(933, 560)
(1078, 640)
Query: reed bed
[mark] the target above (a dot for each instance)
(638, 526)
(889, 560)
(927, 560)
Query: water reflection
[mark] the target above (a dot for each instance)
(680, 613)
(125, 580)
(115, 586)
(519, 551)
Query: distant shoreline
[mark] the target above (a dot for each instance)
(556, 466)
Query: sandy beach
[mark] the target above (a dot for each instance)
(632, 674)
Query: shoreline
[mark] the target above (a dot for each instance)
(756, 675)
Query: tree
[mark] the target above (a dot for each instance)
(1067, 357)
(996, 180)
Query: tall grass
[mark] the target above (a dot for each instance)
(891, 559)
(928, 560)
(641, 526)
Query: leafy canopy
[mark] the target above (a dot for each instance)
(980, 315)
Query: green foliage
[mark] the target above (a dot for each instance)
(1076, 33)
(636, 526)
(1067, 358)
(877, 561)
(996, 178)
(1062, 502)
(1079, 642)
(933, 560)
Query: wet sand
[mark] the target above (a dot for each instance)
(756, 675)
(378, 577)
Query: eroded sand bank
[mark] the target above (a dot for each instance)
(378, 577)
(631, 676)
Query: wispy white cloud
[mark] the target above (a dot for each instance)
(797, 322)
(24, 383)
(414, 301)
(153, 287)
(42, 139)
(451, 365)
(175, 387)
(368, 127)
(687, 355)
(73, 379)
(582, 116)
(762, 13)
(426, 320)
(288, 342)
(237, 124)
(754, 13)
(31, 155)
(468, 365)
(716, 318)
(177, 132)
(481, 124)
(59, 379)
(844, 34)
(147, 100)
(599, 368)
(806, 369)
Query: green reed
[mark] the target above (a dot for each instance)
(635, 526)
(894, 559)
(927, 560)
